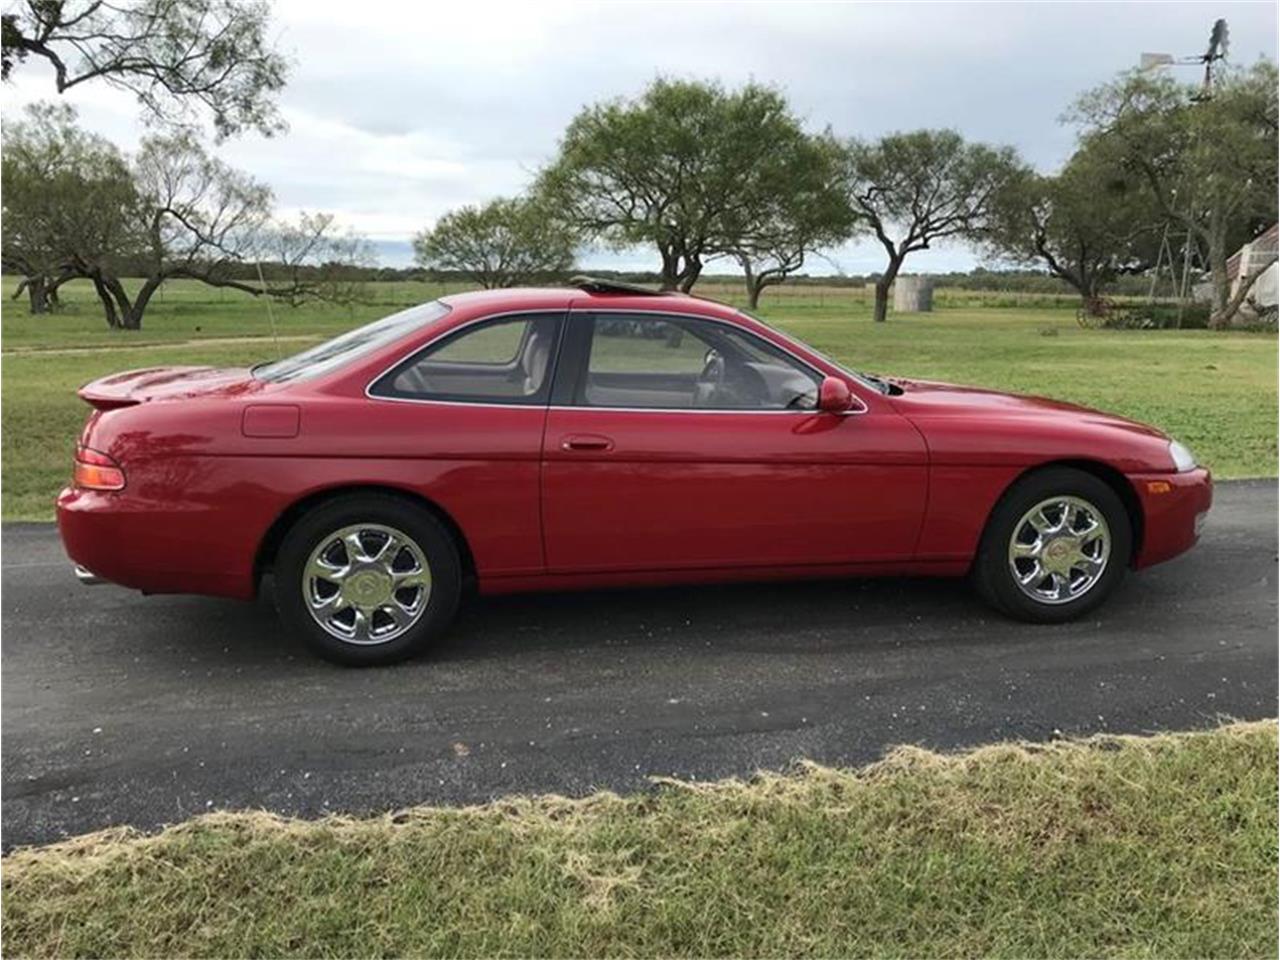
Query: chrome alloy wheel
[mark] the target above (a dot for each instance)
(1059, 549)
(366, 583)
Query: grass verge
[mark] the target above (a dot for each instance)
(1115, 846)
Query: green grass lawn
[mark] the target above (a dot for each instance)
(1114, 847)
(1217, 392)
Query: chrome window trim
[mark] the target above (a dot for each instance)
(743, 410)
(567, 312)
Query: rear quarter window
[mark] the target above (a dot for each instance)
(341, 350)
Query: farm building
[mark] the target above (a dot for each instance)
(1245, 262)
(1251, 258)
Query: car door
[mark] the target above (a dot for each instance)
(680, 442)
(465, 416)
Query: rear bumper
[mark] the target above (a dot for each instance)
(111, 537)
(1174, 509)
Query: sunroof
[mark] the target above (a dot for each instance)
(600, 285)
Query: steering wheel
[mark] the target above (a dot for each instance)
(710, 380)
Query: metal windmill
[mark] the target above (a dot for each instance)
(1219, 43)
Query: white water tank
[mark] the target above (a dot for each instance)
(913, 295)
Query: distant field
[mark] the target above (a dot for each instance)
(1215, 391)
(187, 310)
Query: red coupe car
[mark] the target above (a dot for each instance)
(598, 436)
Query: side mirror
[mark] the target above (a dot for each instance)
(834, 396)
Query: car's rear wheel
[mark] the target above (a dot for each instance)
(1055, 547)
(367, 579)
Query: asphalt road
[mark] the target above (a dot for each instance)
(119, 708)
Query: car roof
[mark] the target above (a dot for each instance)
(551, 298)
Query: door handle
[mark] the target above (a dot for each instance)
(586, 441)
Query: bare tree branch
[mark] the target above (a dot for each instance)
(181, 59)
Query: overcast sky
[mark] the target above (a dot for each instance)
(400, 111)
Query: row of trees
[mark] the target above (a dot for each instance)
(76, 207)
(700, 173)
(695, 172)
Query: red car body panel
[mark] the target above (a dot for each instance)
(816, 488)
(551, 497)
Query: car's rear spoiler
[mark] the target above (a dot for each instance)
(101, 399)
(131, 387)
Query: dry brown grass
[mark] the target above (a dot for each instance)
(1117, 846)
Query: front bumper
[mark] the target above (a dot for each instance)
(1174, 509)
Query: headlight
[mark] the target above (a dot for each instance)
(1183, 459)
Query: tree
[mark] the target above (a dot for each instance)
(1210, 163)
(308, 260)
(178, 57)
(504, 243)
(75, 207)
(803, 210)
(200, 219)
(1092, 223)
(914, 189)
(195, 217)
(69, 201)
(685, 167)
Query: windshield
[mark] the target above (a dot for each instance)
(334, 353)
(875, 383)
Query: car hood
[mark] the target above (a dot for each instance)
(167, 383)
(933, 399)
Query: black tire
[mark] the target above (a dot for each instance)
(991, 574)
(418, 525)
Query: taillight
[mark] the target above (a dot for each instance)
(96, 471)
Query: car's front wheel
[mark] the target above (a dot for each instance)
(1055, 547)
(367, 579)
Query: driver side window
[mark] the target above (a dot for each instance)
(647, 362)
